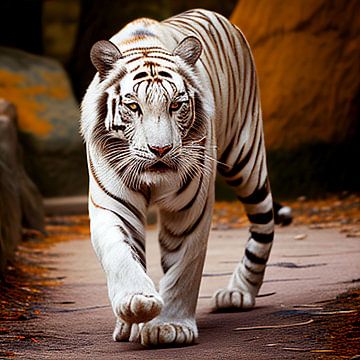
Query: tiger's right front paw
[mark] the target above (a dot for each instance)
(138, 307)
(127, 332)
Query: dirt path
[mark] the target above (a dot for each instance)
(78, 321)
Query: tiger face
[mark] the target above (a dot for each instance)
(154, 127)
(156, 110)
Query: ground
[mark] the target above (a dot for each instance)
(60, 309)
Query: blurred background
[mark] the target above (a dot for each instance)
(307, 56)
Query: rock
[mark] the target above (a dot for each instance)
(20, 200)
(47, 121)
(307, 57)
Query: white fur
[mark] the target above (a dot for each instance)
(167, 316)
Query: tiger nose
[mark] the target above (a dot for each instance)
(160, 151)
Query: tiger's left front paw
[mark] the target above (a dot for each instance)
(172, 332)
(232, 299)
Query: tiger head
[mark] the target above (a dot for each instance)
(151, 122)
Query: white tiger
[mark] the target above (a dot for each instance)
(170, 100)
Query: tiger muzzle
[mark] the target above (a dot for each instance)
(160, 151)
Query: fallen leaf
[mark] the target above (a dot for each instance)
(354, 234)
(300, 237)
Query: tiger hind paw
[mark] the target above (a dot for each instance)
(232, 299)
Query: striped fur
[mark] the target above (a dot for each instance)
(170, 101)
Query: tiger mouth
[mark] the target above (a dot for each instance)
(160, 167)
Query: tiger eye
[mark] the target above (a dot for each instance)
(133, 106)
(175, 106)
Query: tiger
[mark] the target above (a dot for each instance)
(172, 103)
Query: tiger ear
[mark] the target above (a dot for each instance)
(103, 55)
(189, 49)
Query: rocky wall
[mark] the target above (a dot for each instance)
(307, 57)
(48, 121)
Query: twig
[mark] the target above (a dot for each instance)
(307, 306)
(266, 294)
(294, 349)
(336, 312)
(87, 308)
(273, 326)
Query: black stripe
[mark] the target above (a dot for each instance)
(238, 133)
(257, 196)
(259, 151)
(185, 185)
(101, 108)
(142, 49)
(253, 92)
(113, 105)
(161, 58)
(262, 238)
(149, 57)
(165, 245)
(260, 171)
(219, 45)
(250, 281)
(165, 267)
(191, 202)
(191, 229)
(211, 62)
(261, 218)
(140, 243)
(146, 193)
(134, 233)
(235, 182)
(123, 202)
(134, 59)
(255, 272)
(117, 77)
(231, 145)
(229, 36)
(137, 67)
(225, 155)
(140, 75)
(254, 258)
(137, 255)
(243, 162)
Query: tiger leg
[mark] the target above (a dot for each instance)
(121, 252)
(183, 241)
(247, 278)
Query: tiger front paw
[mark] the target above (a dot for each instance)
(126, 332)
(138, 307)
(174, 332)
(232, 299)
